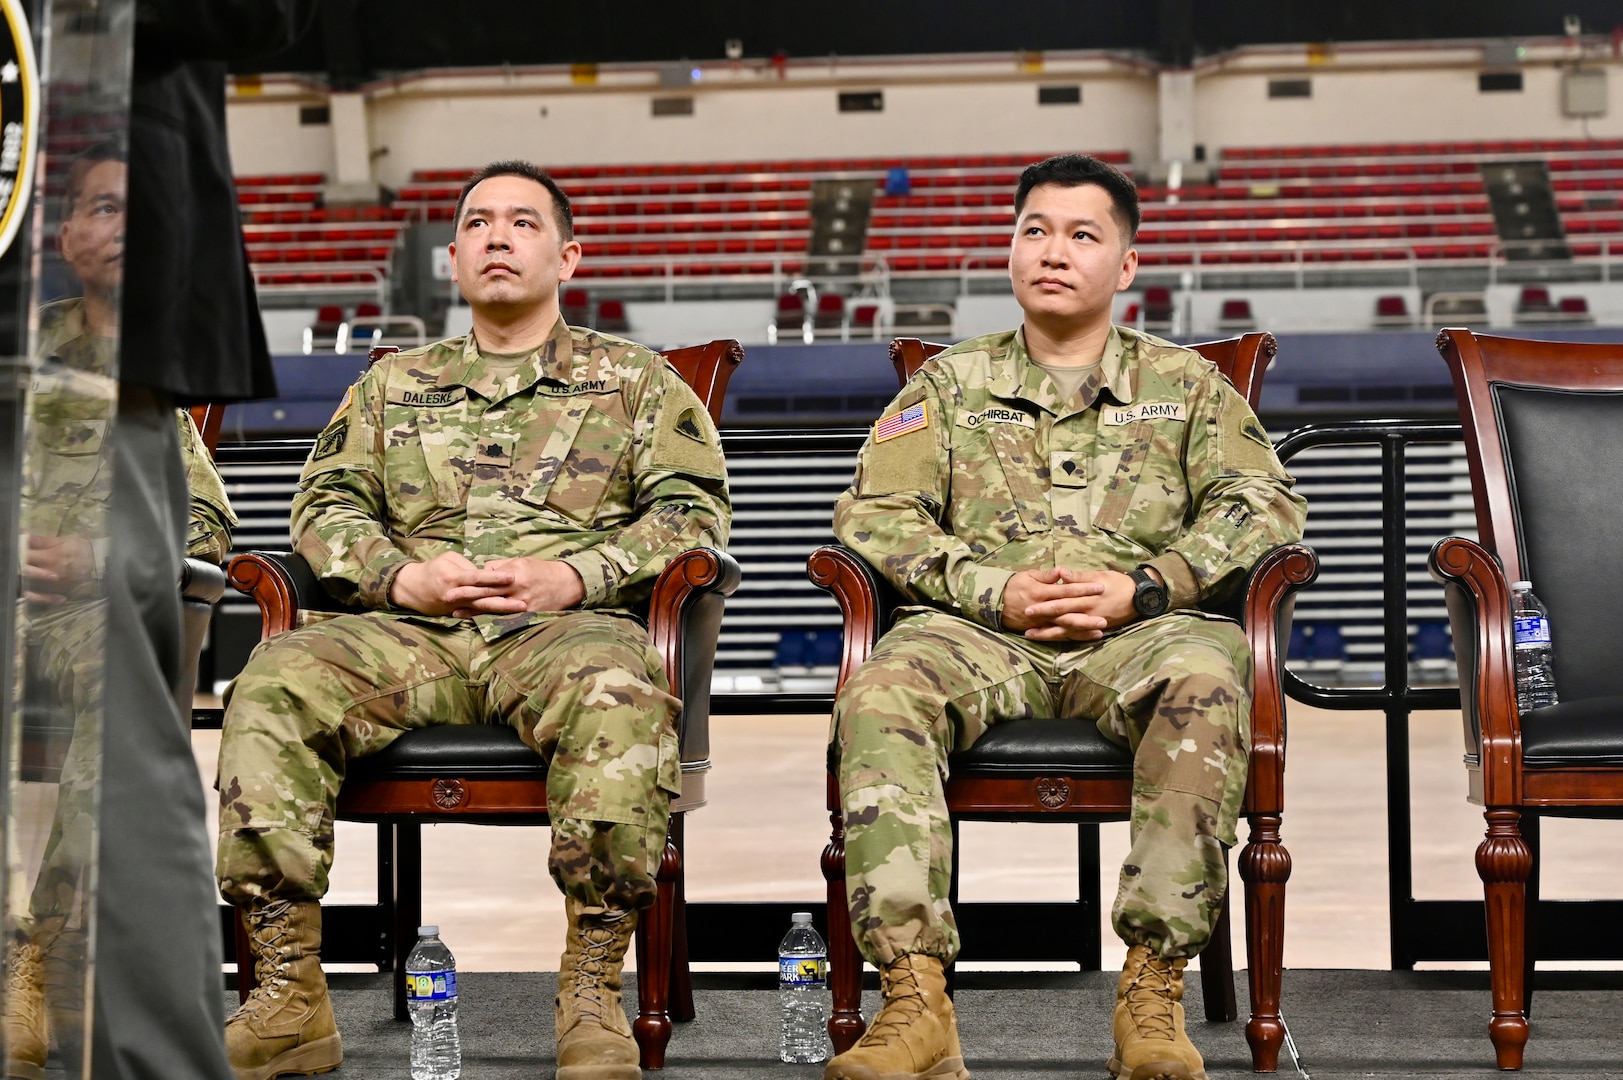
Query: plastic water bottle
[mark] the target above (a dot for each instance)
(803, 992)
(436, 1048)
(1535, 659)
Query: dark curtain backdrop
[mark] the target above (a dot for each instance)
(364, 38)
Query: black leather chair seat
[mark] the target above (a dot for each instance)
(482, 751)
(1061, 747)
(1574, 733)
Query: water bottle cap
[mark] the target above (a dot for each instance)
(800, 918)
(428, 931)
(1517, 586)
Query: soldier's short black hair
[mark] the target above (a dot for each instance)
(111, 149)
(562, 213)
(1074, 170)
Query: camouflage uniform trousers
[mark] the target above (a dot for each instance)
(1175, 690)
(586, 691)
(63, 673)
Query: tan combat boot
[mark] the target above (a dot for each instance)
(286, 1025)
(594, 1038)
(64, 958)
(915, 1034)
(25, 1014)
(1150, 1039)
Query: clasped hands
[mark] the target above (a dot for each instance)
(56, 568)
(1060, 604)
(450, 584)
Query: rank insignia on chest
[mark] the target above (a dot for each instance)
(912, 418)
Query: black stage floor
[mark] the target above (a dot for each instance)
(1041, 1026)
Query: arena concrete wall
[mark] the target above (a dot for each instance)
(932, 106)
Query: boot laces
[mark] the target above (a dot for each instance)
(1149, 998)
(270, 938)
(594, 968)
(25, 993)
(903, 1003)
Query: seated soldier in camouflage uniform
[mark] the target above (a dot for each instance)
(1054, 502)
(499, 503)
(66, 494)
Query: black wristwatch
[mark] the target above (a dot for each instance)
(1149, 595)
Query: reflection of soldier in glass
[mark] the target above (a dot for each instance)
(66, 493)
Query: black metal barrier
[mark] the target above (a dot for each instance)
(1424, 929)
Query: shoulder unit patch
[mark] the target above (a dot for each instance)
(688, 424)
(332, 440)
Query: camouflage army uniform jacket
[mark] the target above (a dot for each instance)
(67, 475)
(592, 451)
(978, 471)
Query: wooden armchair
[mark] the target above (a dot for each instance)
(1064, 771)
(1541, 422)
(481, 774)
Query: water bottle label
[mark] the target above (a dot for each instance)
(1532, 631)
(431, 986)
(802, 970)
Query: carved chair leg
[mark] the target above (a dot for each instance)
(1503, 862)
(845, 1025)
(1265, 866)
(652, 1027)
(1217, 970)
(244, 949)
(681, 988)
(1530, 834)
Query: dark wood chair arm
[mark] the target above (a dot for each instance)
(1479, 615)
(201, 582)
(1270, 599)
(282, 584)
(866, 600)
(684, 618)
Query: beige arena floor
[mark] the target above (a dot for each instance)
(762, 833)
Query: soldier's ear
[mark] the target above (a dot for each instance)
(451, 247)
(568, 259)
(1129, 268)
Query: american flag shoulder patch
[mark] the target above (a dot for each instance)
(912, 418)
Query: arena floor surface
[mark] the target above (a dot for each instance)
(761, 835)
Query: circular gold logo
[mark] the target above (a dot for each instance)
(19, 119)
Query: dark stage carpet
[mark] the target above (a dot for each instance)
(1041, 1026)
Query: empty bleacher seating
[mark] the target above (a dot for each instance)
(829, 319)
(1236, 316)
(297, 245)
(1393, 311)
(575, 305)
(611, 317)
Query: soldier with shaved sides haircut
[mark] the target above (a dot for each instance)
(1053, 503)
(498, 503)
